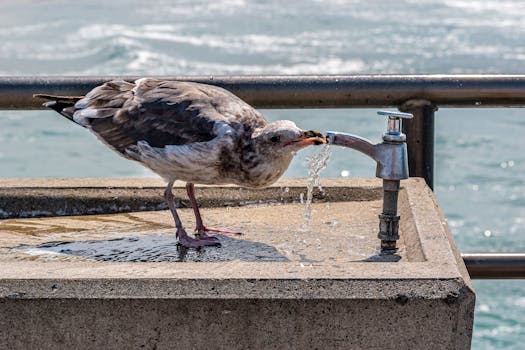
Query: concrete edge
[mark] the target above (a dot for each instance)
(456, 254)
(22, 198)
(140, 183)
(436, 243)
(450, 290)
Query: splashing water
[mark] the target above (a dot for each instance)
(316, 164)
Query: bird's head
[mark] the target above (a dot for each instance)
(283, 136)
(275, 145)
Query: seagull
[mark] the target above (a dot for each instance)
(191, 132)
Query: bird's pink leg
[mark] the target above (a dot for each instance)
(200, 229)
(183, 237)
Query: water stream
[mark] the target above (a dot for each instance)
(316, 164)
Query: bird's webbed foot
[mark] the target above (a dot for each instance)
(197, 242)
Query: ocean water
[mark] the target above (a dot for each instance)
(480, 153)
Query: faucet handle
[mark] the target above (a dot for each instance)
(394, 114)
(393, 132)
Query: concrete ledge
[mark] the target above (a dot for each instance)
(21, 198)
(76, 281)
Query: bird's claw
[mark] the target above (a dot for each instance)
(198, 242)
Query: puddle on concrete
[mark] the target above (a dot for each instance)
(155, 249)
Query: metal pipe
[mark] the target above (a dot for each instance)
(316, 91)
(388, 219)
(495, 265)
(420, 139)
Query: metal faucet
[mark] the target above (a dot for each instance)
(392, 166)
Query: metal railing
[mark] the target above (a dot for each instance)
(495, 265)
(420, 95)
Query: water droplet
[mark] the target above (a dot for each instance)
(286, 189)
(487, 233)
(511, 163)
(477, 103)
(475, 188)
(451, 188)
(345, 173)
(503, 164)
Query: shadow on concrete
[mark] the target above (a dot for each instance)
(160, 249)
(382, 258)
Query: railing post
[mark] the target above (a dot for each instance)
(420, 138)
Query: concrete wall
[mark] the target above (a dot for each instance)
(232, 324)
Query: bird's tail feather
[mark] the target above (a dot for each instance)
(65, 105)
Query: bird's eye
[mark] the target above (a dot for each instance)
(275, 139)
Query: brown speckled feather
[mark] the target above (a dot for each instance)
(161, 112)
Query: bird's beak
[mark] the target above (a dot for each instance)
(309, 138)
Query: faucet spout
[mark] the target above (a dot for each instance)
(352, 141)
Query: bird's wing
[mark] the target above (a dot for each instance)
(162, 113)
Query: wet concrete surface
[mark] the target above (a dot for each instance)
(342, 231)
